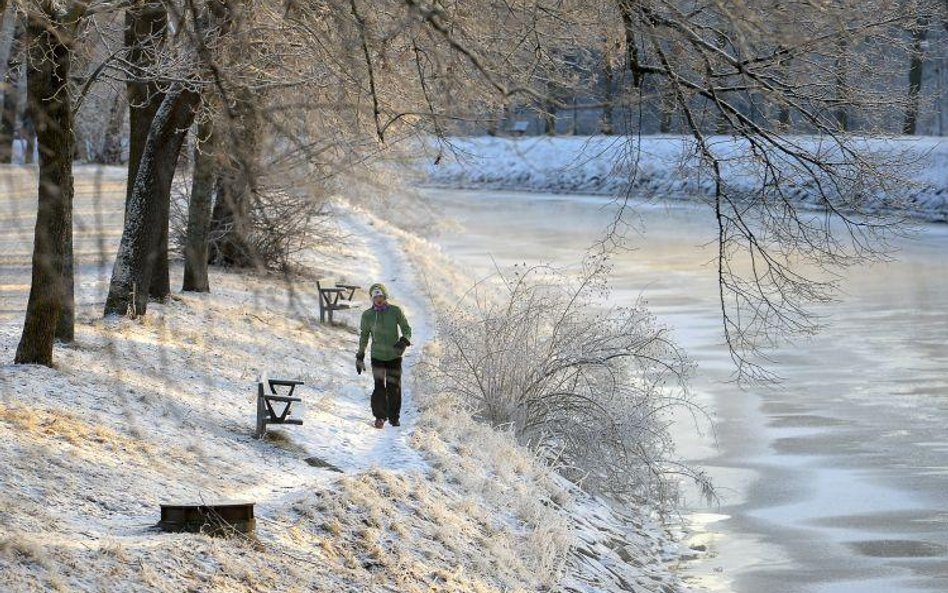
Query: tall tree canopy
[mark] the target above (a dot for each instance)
(309, 90)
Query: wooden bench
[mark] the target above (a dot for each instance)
(267, 397)
(219, 518)
(335, 296)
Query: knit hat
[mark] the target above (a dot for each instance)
(378, 289)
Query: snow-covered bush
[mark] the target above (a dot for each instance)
(283, 222)
(590, 386)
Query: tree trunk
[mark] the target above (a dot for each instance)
(915, 78)
(8, 22)
(111, 153)
(29, 133)
(199, 210)
(134, 265)
(66, 327)
(667, 117)
(47, 74)
(80, 148)
(145, 30)
(608, 91)
(159, 288)
(842, 95)
(493, 125)
(549, 115)
(626, 8)
(230, 221)
(783, 118)
(8, 116)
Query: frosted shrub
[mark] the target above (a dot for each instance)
(281, 224)
(588, 385)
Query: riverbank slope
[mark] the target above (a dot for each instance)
(160, 409)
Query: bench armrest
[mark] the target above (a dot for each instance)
(285, 382)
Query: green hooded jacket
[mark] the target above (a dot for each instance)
(383, 326)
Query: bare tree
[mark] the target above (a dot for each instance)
(718, 58)
(146, 213)
(141, 265)
(238, 184)
(49, 32)
(746, 69)
(919, 34)
(607, 126)
(146, 26)
(10, 76)
(324, 89)
(200, 202)
(110, 152)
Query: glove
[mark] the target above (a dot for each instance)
(360, 363)
(401, 344)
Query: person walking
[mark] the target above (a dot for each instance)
(382, 322)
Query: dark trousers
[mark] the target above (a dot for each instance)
(387, 395)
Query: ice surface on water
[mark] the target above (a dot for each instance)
(821, 478)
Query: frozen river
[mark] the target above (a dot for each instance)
(837, 482)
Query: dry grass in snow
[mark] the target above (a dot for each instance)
(160, 409)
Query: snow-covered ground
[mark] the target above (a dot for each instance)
(663, 166)
(161, 409)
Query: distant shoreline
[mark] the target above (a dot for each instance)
(661, 166)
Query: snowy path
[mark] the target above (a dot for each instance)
(354, 445)
(338, 430)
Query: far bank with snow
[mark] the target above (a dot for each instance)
(662, 166)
